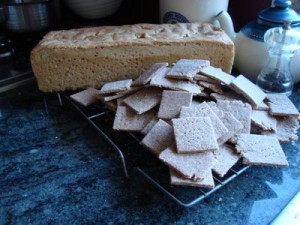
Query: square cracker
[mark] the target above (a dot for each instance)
(148, 74)
(171, 103)
(160, 137)
(204, 110)
(86, 97)
(187, 68)
(191, 166)
(126, 119)
(248, 89)
(281, 105)
(286, 129)
(226, 157)
(144, 100)
(241, 111)
(115, 86)
(230, 122)
(217, 74)
(263, 120)
(233, 125)
(260, 150)
(160, 80)
(194, 134)
(177, 179)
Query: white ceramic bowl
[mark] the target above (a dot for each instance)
(93, 9)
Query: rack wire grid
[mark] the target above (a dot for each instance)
(135, 157)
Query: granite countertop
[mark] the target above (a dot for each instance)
(56, 169)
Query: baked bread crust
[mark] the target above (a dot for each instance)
(89, 57)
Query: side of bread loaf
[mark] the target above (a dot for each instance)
(89, 57)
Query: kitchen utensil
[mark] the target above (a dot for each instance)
(275, 76)
(251, 53)
(30, 15)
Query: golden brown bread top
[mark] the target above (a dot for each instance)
(138, 34)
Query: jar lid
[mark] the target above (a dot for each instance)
(283, 38)
(275, 16)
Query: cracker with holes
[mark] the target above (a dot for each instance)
(144, 100)
(281, 105)
(217, 74)
(203, 110)
(86, 97)
(126, 119)
(145, 78)
(233, 126)
(248, 89)
(190, 166)
(260, 150)
(160, 137)
(226, 157)
(286, 129)
(160, 80)
(116, 86)
(171, 103)
(263, 120)
(177, 179)
(186, 69)
(194, 134)
(241, 111)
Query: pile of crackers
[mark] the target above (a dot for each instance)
(199, 120)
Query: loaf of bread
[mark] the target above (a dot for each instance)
(88, 57)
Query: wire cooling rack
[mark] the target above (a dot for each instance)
(135, 158)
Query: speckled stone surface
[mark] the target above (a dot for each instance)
(56, 169)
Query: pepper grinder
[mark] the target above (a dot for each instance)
(275, 77)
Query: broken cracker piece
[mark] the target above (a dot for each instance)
(186, 69)
(281, 105)
(144, 100)
(148, 74)
(286, 129)
(263, 120)
(86, 97)
(177, 179)
(226, 157)
(260, 150)
(126, 119)
(159, 80)
(192, 166)
(115, 86)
